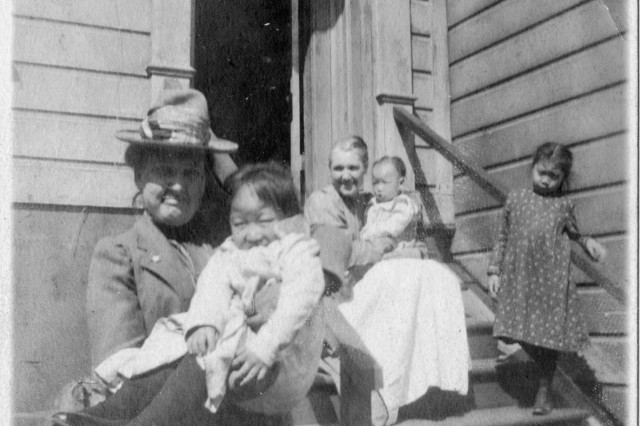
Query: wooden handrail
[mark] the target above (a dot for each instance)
(408, 122)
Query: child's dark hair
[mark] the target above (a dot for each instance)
(272, 183)
(558, 154)
(397, 163)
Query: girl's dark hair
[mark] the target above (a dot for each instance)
(272, 183)
(396, 162)
(559, 155)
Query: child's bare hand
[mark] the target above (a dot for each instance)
(202, 341)
(251, 368)
(595, 250)
(494, 285)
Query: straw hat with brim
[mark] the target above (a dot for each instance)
(179, 119)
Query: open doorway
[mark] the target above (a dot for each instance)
(242, 55)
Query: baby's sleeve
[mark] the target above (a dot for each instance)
(495, 265)
(212, 297)
(403, 213)
(301, 289)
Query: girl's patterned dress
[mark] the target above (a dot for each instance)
(538, 304)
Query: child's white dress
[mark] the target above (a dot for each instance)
(395, 218)
(292, 336)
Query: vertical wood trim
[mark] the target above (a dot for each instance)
(295, 154)
(441, 121)
(171, 45)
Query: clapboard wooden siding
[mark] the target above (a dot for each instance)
(51, 252)
(79, 74)
(523, 72)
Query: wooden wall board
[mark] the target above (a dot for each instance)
(618, 12)
(317, 95)
(500, 22)
(39, 181)
(558, 37)
(79, 92)
(52, 249)
(617, 262)
(459, 10)
(421, 53)
(616, 347)
(428, 159)
(601, 162)
(616, 399)
(421, 16)
(66, 45)
(578, 120)
(607, 322)
(578, 74)
(426, 115)
(423, 90)
(134, 15)
(476, 231)
(598, 300)
(69, 137)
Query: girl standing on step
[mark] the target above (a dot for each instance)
(538, 305)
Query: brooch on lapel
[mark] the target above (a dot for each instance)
(155, 258)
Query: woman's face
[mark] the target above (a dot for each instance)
(172, 186)
(347, 172)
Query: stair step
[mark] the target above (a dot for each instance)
(482, 344)
(506, 416)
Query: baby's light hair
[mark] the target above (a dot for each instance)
(272, 183)
(397, 163)
(353, 143)
(558, 154)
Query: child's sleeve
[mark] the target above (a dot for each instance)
(495, 265)
(301, 289)
(571, 228)
(212, 297)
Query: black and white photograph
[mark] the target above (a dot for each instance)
(319, 212)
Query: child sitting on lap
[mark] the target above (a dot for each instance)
(391, 212)
(269, 245)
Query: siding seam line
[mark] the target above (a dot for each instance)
(81, 24)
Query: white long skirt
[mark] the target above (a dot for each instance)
(410, 316)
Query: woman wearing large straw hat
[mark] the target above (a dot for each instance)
(150, 271)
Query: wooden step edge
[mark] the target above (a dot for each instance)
(505, 416)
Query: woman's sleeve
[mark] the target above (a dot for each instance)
(212, 298)
(115, 319)
(321, 210)
(301, 289)
(495, 265)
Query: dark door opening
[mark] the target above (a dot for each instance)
(242, 57)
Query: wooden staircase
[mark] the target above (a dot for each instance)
(501, 393)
